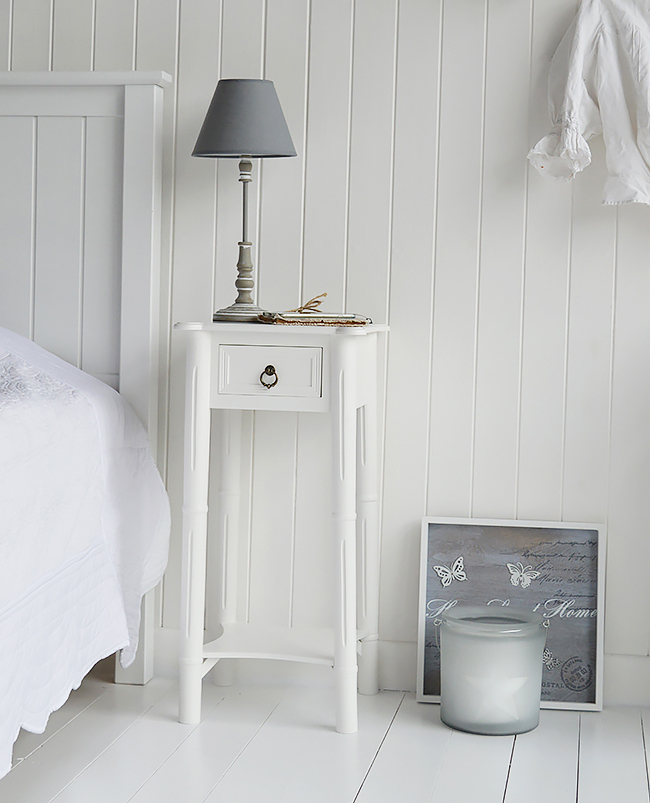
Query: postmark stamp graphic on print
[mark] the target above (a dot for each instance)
(576, 674)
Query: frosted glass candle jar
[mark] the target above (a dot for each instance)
(491, 669)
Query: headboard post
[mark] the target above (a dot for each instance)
(140, 330)
(140, 333)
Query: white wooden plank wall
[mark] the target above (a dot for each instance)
(517, 379)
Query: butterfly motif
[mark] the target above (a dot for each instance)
(446, 575)
(548, 660)
(520, 574)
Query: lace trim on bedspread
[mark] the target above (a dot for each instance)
(20, 381)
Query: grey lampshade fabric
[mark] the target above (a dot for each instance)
(244, 119)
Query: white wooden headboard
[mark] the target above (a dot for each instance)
(80, 176)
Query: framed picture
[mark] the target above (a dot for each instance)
(555, 568)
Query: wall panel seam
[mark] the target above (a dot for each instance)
(434, 248)
(50, 58)
(479, 261)
(383, 391)
(82, 239)
(32, 310)
(524, 254)
(93, 34)
(391, 199)
(134, 51)
(257, 246)
(610, 416)
(10, 36)
(265, 19)
(305, 127)
(249, 545)
(166, 350)
(32, 255)
(567, 329)
(348, 159)
(217, 163)
(294, 517)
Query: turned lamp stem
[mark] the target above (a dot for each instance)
(245, 282)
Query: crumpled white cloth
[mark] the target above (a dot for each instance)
(84, 532)
(600, 82)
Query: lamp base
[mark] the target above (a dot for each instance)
(240, 313)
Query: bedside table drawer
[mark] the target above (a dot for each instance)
(270, 371)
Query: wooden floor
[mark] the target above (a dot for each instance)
(113, 744)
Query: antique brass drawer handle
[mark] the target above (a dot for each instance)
(267, 374)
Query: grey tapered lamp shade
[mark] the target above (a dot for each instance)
(244, 121)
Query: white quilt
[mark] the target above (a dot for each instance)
(84, 532)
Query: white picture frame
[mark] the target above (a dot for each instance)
(556, 568)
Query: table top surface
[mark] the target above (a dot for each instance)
(278, 329)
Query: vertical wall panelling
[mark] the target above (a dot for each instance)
(157, 32)
(31, 45)
(193, 239)
(629, 548)
(17, 169)
(371, 157)
(60, 175)
(306, 436)
(194, 184)
(273, 528)
(72, 35)
(460, 187)
(6, 23)
(546, 283)
(313, 561)
(115, 26)
(406, 450)
(327, 151)
(279, 252)
(244, 45)
(507, 84)
(157, 36)
(269, 553)
(242, 37)
(591, 304)
(372, 164)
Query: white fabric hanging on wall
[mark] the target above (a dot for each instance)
(600, 82)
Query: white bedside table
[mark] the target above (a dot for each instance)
(238, 366)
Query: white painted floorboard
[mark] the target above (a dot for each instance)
(612, 757)
(123, 744)
(298, 755)
(415, 741)
(545, 761)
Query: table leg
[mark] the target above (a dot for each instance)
(222, 608)
(195, 517)
(368, 547)
(344, 525)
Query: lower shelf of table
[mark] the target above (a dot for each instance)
(308, 645)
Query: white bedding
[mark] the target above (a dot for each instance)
(84, 532)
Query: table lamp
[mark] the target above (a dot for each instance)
(244, 121)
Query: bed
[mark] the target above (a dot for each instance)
(84, 518)
(84, 529)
